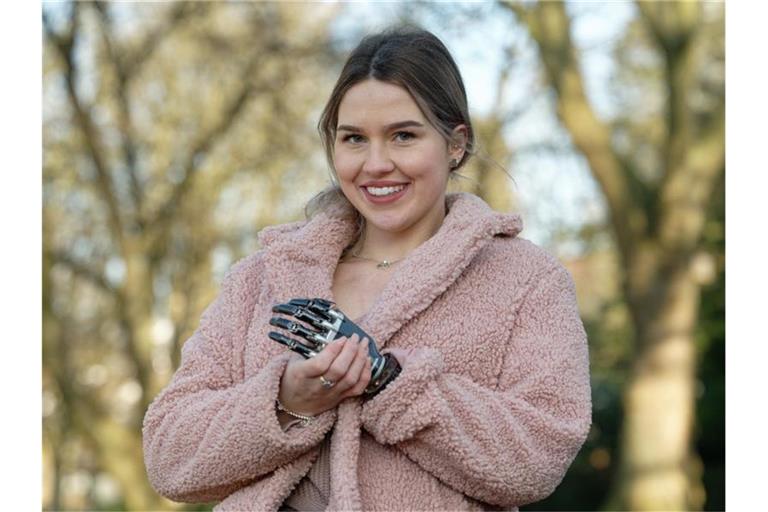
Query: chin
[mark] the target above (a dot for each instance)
(386, 225)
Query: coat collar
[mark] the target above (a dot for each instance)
(301, 259)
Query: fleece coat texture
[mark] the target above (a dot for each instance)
(488, 413)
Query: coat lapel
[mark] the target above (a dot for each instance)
(301, 257)
(430, 269)
(301, 260)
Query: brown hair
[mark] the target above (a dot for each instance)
(414, 59)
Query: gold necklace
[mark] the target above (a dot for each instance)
(379, 263)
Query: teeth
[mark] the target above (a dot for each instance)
(384, 191)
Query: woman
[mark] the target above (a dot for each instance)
(492, 401)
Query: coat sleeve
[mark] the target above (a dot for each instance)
(506, 446)
(210, 432)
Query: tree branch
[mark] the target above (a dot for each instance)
(180, 13)
(674, 26)
(204, 143)
(65, 45)
(690, 187)
(694, 157)
(82, 270)
(125, 124)
(127, 66)
(549, 26)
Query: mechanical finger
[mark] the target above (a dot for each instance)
(313, 337)
(321, 307)
(300, 313)
(292, 344)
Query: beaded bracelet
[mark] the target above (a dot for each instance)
(305, 420)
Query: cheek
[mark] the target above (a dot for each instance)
(346, 165)
(430, 156)
(426, 165)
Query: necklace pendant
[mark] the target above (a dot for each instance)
(384, 264)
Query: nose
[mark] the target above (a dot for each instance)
(377, 160)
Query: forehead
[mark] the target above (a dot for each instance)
(373, 101)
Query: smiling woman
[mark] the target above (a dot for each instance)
(395, 179)
(437, 359)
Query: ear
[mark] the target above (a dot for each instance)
(457, 146)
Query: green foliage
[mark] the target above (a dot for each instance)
(710, 403)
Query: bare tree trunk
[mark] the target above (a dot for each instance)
(55, 476)
(657, 469)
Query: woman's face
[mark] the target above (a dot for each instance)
(391, 163)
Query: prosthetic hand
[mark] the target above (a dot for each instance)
(322, 324)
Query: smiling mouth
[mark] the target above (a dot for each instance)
(384, 191)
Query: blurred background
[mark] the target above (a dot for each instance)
(173, 132)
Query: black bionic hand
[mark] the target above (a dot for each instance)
(317, 322)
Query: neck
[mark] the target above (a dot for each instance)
(387, 245)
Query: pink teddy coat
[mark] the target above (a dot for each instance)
(489, 410)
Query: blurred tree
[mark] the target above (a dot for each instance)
(485, 173)
(659, 167)
(710, 386)
(160, 121)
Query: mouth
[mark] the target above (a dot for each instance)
(386, 194)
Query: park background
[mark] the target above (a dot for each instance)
(173, 132)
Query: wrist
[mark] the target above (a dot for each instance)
(389, 372)
(283, 411)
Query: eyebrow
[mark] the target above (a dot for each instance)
(393, 126)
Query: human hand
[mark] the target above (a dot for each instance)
(344, 362)
(309, 325)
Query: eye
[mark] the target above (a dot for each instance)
(354, 138)
(404, 136)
